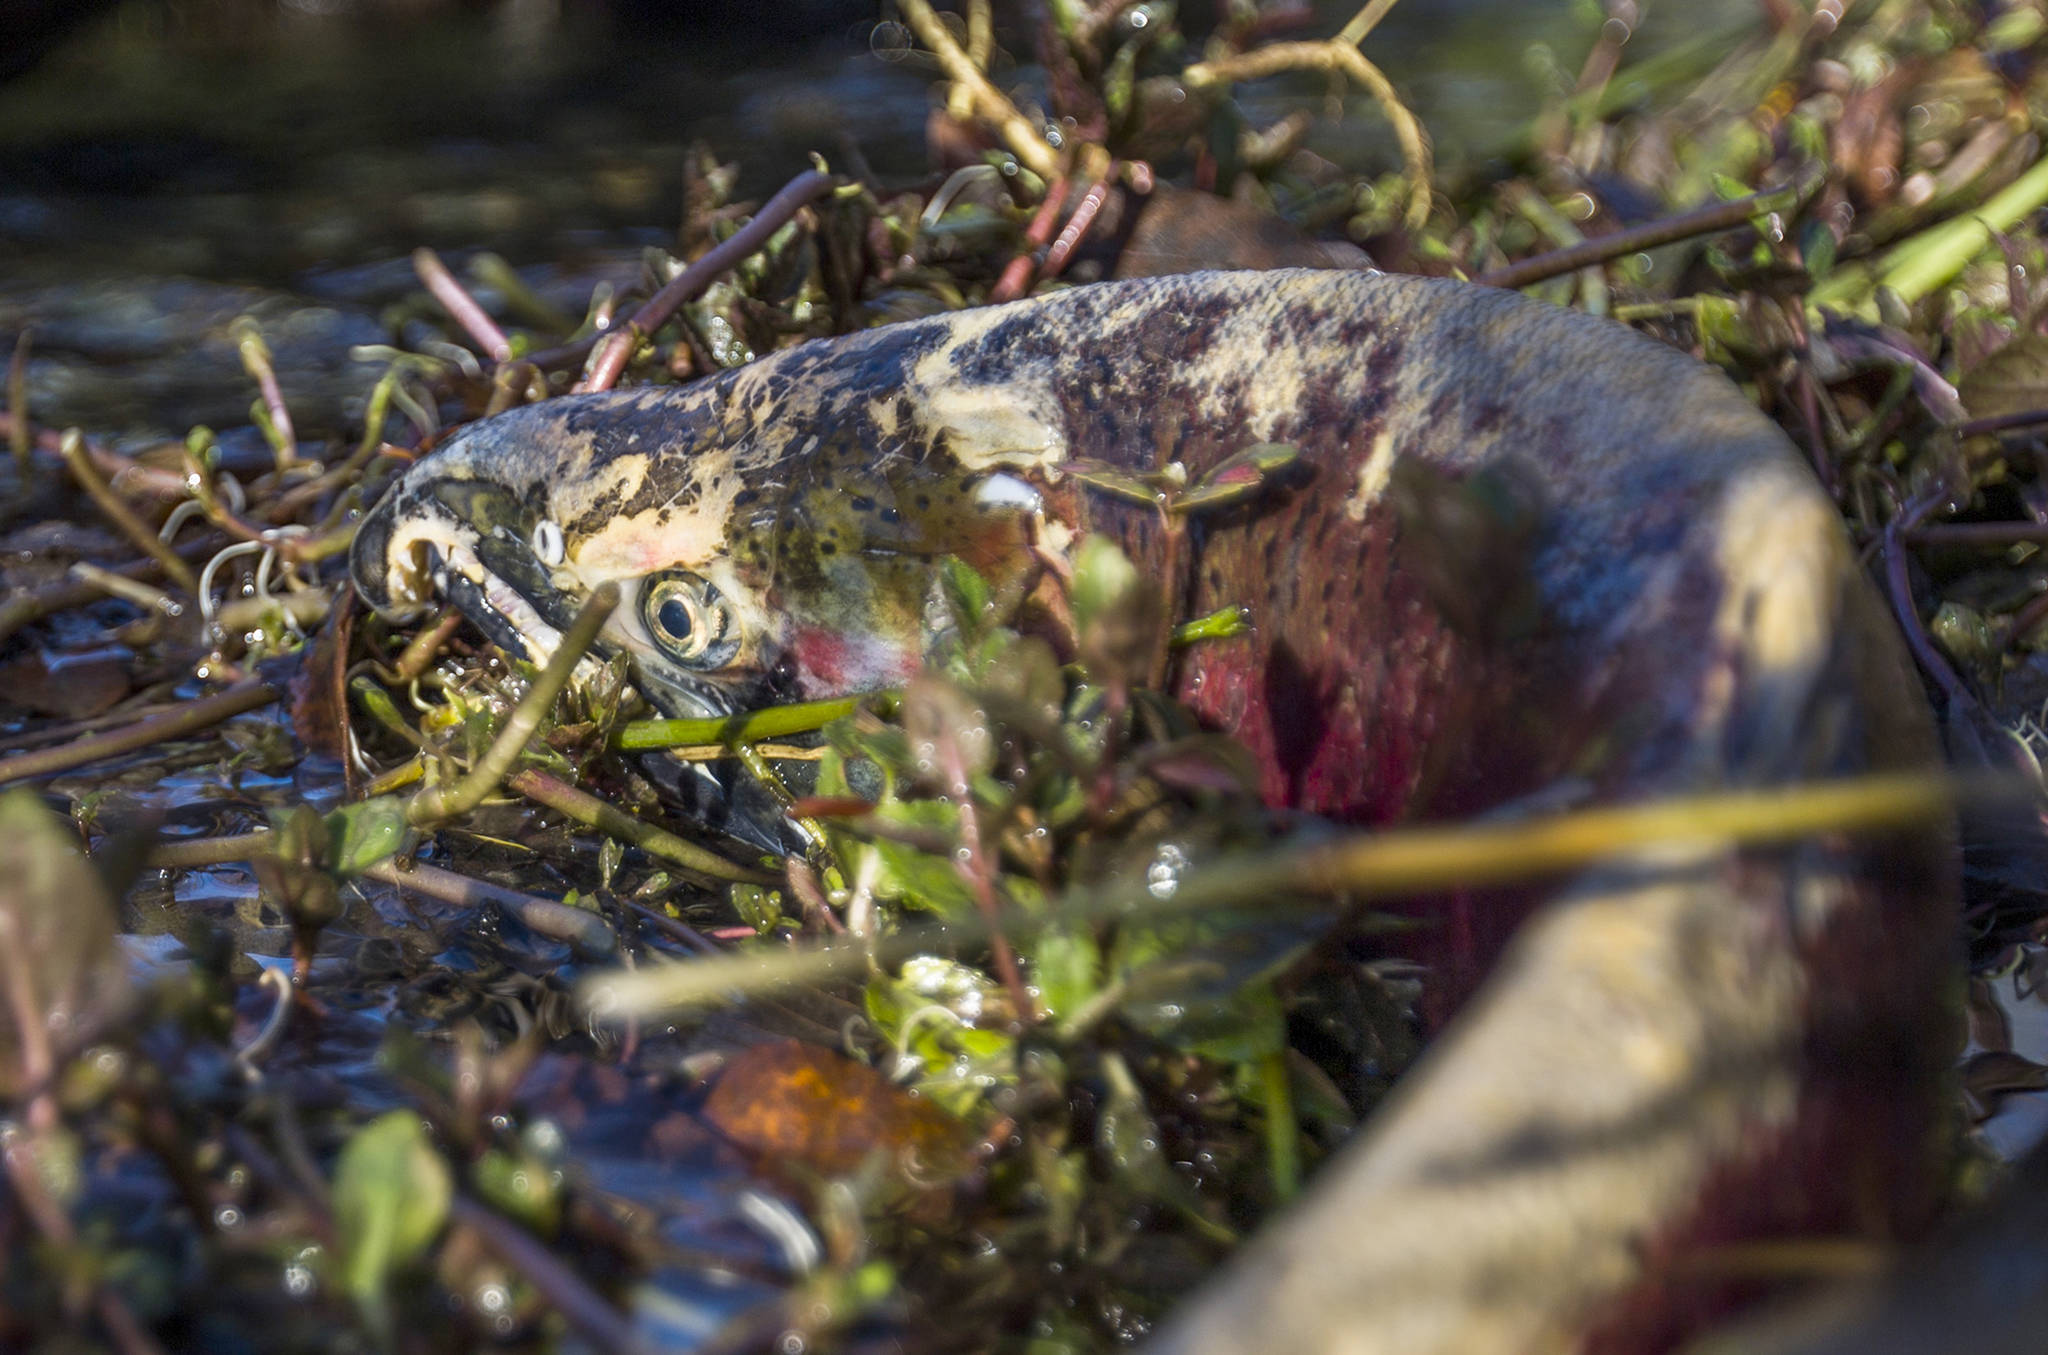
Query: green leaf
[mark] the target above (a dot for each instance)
(54, 911)
(1115, 612)
(1066, 968)
(520, 1187)
(759, 908)
(1104, 580)
(1728, 187)
(921, 880)
(366, 833)
(968, 596)
(1238, 478)
(391, 1198)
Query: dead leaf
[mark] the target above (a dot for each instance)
(797, 1102)
(319, 689)
(68, 686)
(2013, 380)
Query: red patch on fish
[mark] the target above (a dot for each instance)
(832, 662)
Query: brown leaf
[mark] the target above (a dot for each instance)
(69, 686)
(320, 688)
(797, 1102)
(1989, 1025)
(2013, 380)
(1990, 1077)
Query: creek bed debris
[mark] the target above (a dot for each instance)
(365, 1019)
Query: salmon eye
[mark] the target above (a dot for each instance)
(688, 619)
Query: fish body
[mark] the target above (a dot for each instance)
(1520, 549)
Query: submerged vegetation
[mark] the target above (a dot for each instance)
(447, 1067)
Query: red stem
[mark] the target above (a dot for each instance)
(1078, 224)
(1017, 275)
(618, 345)
(464, 308)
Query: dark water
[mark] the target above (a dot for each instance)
(283, 141)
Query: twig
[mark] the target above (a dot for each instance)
(601, 1324)
(461, 305)
(679, 931)
(279, 1177)
(186, 719)
(121, 515)
(973, 863)
(1017, 273)
(1364, 22)
(1371, 865)
(1927, 260)
(2000, 423)
(980, 46)
(1348, 60)
(1024, 140)
(271, 412)
(1718, 216)
(209, 851)
(31, 1024)
(492, 271)
(592, 812)
(1977, 534)
(119, 585)
(586, 931)
(619, 342)
(2023, 621)
(123, 1329)
(126, 474)
(438, 803)
(425, 647)
(33, 604)
(251, 1055)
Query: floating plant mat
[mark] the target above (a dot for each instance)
(994, 1071)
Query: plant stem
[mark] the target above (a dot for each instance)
(600, 1324)
(438, 803)
(457, 301)
(775, 722)
(592, 812)
(586, 931)
(209, 851)
(1921, 263)
(117, 511)
(1719, 216)
(1344, 58)
(1024, 140)
(187, 719)
(619, 343)
(1372, 865)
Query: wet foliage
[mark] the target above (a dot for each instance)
(291, 1049)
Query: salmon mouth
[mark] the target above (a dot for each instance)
(461, 539)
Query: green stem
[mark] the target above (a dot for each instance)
(1921, 263)
(1385, 864)
(746, 727)
(1283, 1133)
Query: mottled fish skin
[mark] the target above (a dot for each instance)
(1678, 1051)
